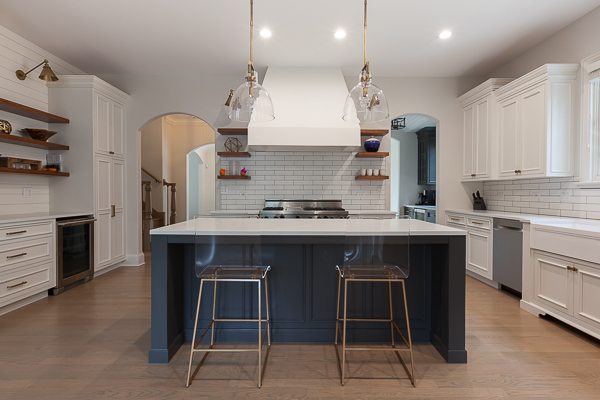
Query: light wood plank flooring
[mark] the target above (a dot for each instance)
(92, 342)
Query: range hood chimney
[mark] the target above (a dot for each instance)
(308, 105)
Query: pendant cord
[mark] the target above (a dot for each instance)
(365, 35)
(251, 26)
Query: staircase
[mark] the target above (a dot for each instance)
(152, 218)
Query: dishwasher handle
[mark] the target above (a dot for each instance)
(509, 228)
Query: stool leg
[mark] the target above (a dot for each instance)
(268, 326)
(337, 314)
(212, 333)
(259, 337)
(187, 383)
(412, 363)
(391, 313)
(344, 332)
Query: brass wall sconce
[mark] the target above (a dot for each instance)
(46, 75)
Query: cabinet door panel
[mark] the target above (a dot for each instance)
(118, 129)
(482, 140)
(587, 295)
(118, 236)
(553, 282)
(102, 124)
(117, 185)
(103, 207)
(468, 132)
(479, 253)
(532, 148)
(508, 137)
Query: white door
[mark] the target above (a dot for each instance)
(531, 151)
(587, 294)
(102, 123)
(479, 252)
(508, 131)
(118, 129)
(481, 153)
(117, 218)
(553, 282)
(103, 212)
(468, 139)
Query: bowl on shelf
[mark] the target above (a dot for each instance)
(372, 145)
(40, 134)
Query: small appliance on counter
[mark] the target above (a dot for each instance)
(427, 198)
(478, 203)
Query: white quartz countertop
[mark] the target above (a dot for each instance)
(308, 227)
(351, 212)
(14, 218)
(419, 206)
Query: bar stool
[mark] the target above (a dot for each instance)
(364, 262)
(214, 265)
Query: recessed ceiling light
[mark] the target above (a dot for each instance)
(265, 33)
(445, 35)
(340, 34)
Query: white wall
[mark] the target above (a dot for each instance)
(18, 53)
(152, 160)
(201, 180)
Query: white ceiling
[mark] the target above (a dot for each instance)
(182, 37)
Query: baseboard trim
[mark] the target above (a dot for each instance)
(163, 356)
(531, 308)
(107, 269)
(481, 279)
(134, 260)
(23, 302)
(451, 356)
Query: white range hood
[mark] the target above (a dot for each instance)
(308, 105)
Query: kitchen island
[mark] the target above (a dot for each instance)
(303, 280)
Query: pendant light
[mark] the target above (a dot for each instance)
(365, 102)
(250, 101)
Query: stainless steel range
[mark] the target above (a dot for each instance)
(318, 209)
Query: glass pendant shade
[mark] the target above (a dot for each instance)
(251, 103)
(365, 103)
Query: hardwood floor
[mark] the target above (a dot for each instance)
(92, 342)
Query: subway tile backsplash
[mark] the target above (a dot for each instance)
(303, 175)
(560, 197)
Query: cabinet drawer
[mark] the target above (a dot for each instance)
(25, 230)
(455, 219)
(481, 223)
(32, 280)
(22, 252)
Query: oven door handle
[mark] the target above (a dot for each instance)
(77, 222)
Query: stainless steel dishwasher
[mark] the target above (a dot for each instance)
(508, 253)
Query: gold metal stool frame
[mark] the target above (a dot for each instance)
(254, 277)
(366, 277)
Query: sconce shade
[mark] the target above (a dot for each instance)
(47, 74)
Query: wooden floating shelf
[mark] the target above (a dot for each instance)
(233, 177)
(372, 154)
(24, 111)
(38, 144)
(233, 154)
(371, 177)
(233, 131)
(374, 132)
(33, 172)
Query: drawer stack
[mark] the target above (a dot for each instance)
(27, 259)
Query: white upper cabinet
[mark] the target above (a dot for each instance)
(108, 125)
(479, 124)
(536, 131)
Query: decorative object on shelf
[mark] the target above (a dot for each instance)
(372, 144)
(251, 102)
(233, 145)
(222, 171)
(398, 123)
(39, 134)
(363, 172)
(376, 172)
(20, 163)
(5, 127)
(365, 102)
(369, 171)
(478, 203)
(243, 172)
(46, 75)
(54, 162)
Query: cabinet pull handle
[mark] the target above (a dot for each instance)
(455, 219)
(111, 152)
(478, 223)
(473, 175)
(113, 212)
(18, 284)
(574, 269)
(14, 233)
(17, 255)
(569, 268)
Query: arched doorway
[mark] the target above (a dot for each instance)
(165, 143)
(409, 174)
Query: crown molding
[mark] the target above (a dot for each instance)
(91, 82)
(539, 75)
(483, 90)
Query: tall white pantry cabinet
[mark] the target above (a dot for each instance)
(96, 159)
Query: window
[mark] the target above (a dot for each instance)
(590, 122)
